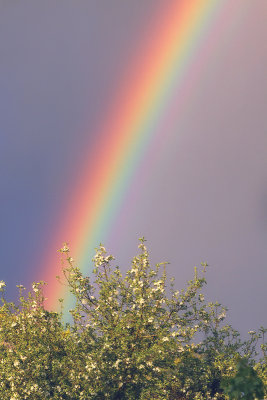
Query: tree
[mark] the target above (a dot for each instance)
(132, 337)
(245, 384)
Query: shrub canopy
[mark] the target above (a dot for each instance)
(133, 336)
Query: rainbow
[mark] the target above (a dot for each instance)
(149, 101)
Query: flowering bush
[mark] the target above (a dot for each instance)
(132, 337)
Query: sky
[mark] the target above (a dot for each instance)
(198, 192)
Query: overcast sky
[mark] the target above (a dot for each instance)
(204, 197)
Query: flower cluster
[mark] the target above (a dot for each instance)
(132, 337)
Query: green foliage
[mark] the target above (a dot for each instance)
(132, 337)
(245, 384)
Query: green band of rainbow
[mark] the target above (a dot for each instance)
(148, 103)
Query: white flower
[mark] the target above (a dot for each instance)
(65, 248)
(116, 364)
(165, 339)
(2, 284)
(16, 363)
(221, 316)
(134, 270)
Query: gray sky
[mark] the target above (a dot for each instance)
(203, 197)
